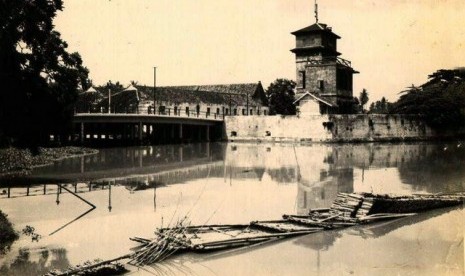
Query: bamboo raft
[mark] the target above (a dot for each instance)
(347, 210)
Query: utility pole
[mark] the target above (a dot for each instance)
(230, 105)
(154, 89)
(109, 100)
(247, 103)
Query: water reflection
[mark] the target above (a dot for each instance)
(320, 171)
(255, 182)
(377, 230)
(38, 262)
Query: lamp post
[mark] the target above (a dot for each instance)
(154, 88)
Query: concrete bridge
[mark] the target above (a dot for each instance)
(147, 128)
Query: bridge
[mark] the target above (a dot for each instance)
(149, 128)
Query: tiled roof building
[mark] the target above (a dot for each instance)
(194, 100)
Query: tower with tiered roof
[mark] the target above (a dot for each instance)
(322, 75)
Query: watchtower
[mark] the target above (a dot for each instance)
(320, 70)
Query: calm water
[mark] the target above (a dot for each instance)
(238, 183)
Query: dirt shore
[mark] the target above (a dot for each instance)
(14, 161)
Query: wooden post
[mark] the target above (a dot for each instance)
(27, 191)
(109, 197)
(9, 192)
(180, 132)
(45, 189)
(208, 134)
(140, 132)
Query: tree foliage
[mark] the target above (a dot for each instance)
(280, 95)
(349, 106)
(39, 78)
(363, 98)
(382, 106)
(441, 100)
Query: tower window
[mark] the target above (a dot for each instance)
(302, 78)
(321, 84)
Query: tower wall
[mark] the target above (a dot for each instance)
(319, 70)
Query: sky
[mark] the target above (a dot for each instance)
(393, 43)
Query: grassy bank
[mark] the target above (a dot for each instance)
(7, 233)
(15, 161)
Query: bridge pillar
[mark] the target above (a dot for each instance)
(180, 132)
(81, 134)
(132, 128)
(140, 132)
(207, 134)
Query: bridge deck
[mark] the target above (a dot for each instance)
(200, 119)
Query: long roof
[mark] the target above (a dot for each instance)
(236, 94)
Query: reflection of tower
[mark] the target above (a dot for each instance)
(320, 192)
(320, 241)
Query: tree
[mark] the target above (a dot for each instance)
(39, 78)
(349, 106)
(441, 101)
(363, 99)
(382, 106)
(280, 95)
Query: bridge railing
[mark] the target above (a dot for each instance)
(188, 113)
(169, 112)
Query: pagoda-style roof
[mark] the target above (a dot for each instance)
(316, 48)
(316, 28)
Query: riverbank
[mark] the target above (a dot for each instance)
(14, 161)
(7, 233)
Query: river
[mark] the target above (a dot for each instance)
(137, 189)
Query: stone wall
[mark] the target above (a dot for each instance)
(277, 128)
(327, 128)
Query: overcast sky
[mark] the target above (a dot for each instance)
(393, 43)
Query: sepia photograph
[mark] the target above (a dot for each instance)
(232, 137)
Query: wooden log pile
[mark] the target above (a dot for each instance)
(164, 245)
(411, 204)
(364, 208)
(346, 205)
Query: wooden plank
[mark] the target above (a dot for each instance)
(261, 237)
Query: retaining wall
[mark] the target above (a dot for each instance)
(327, 128)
